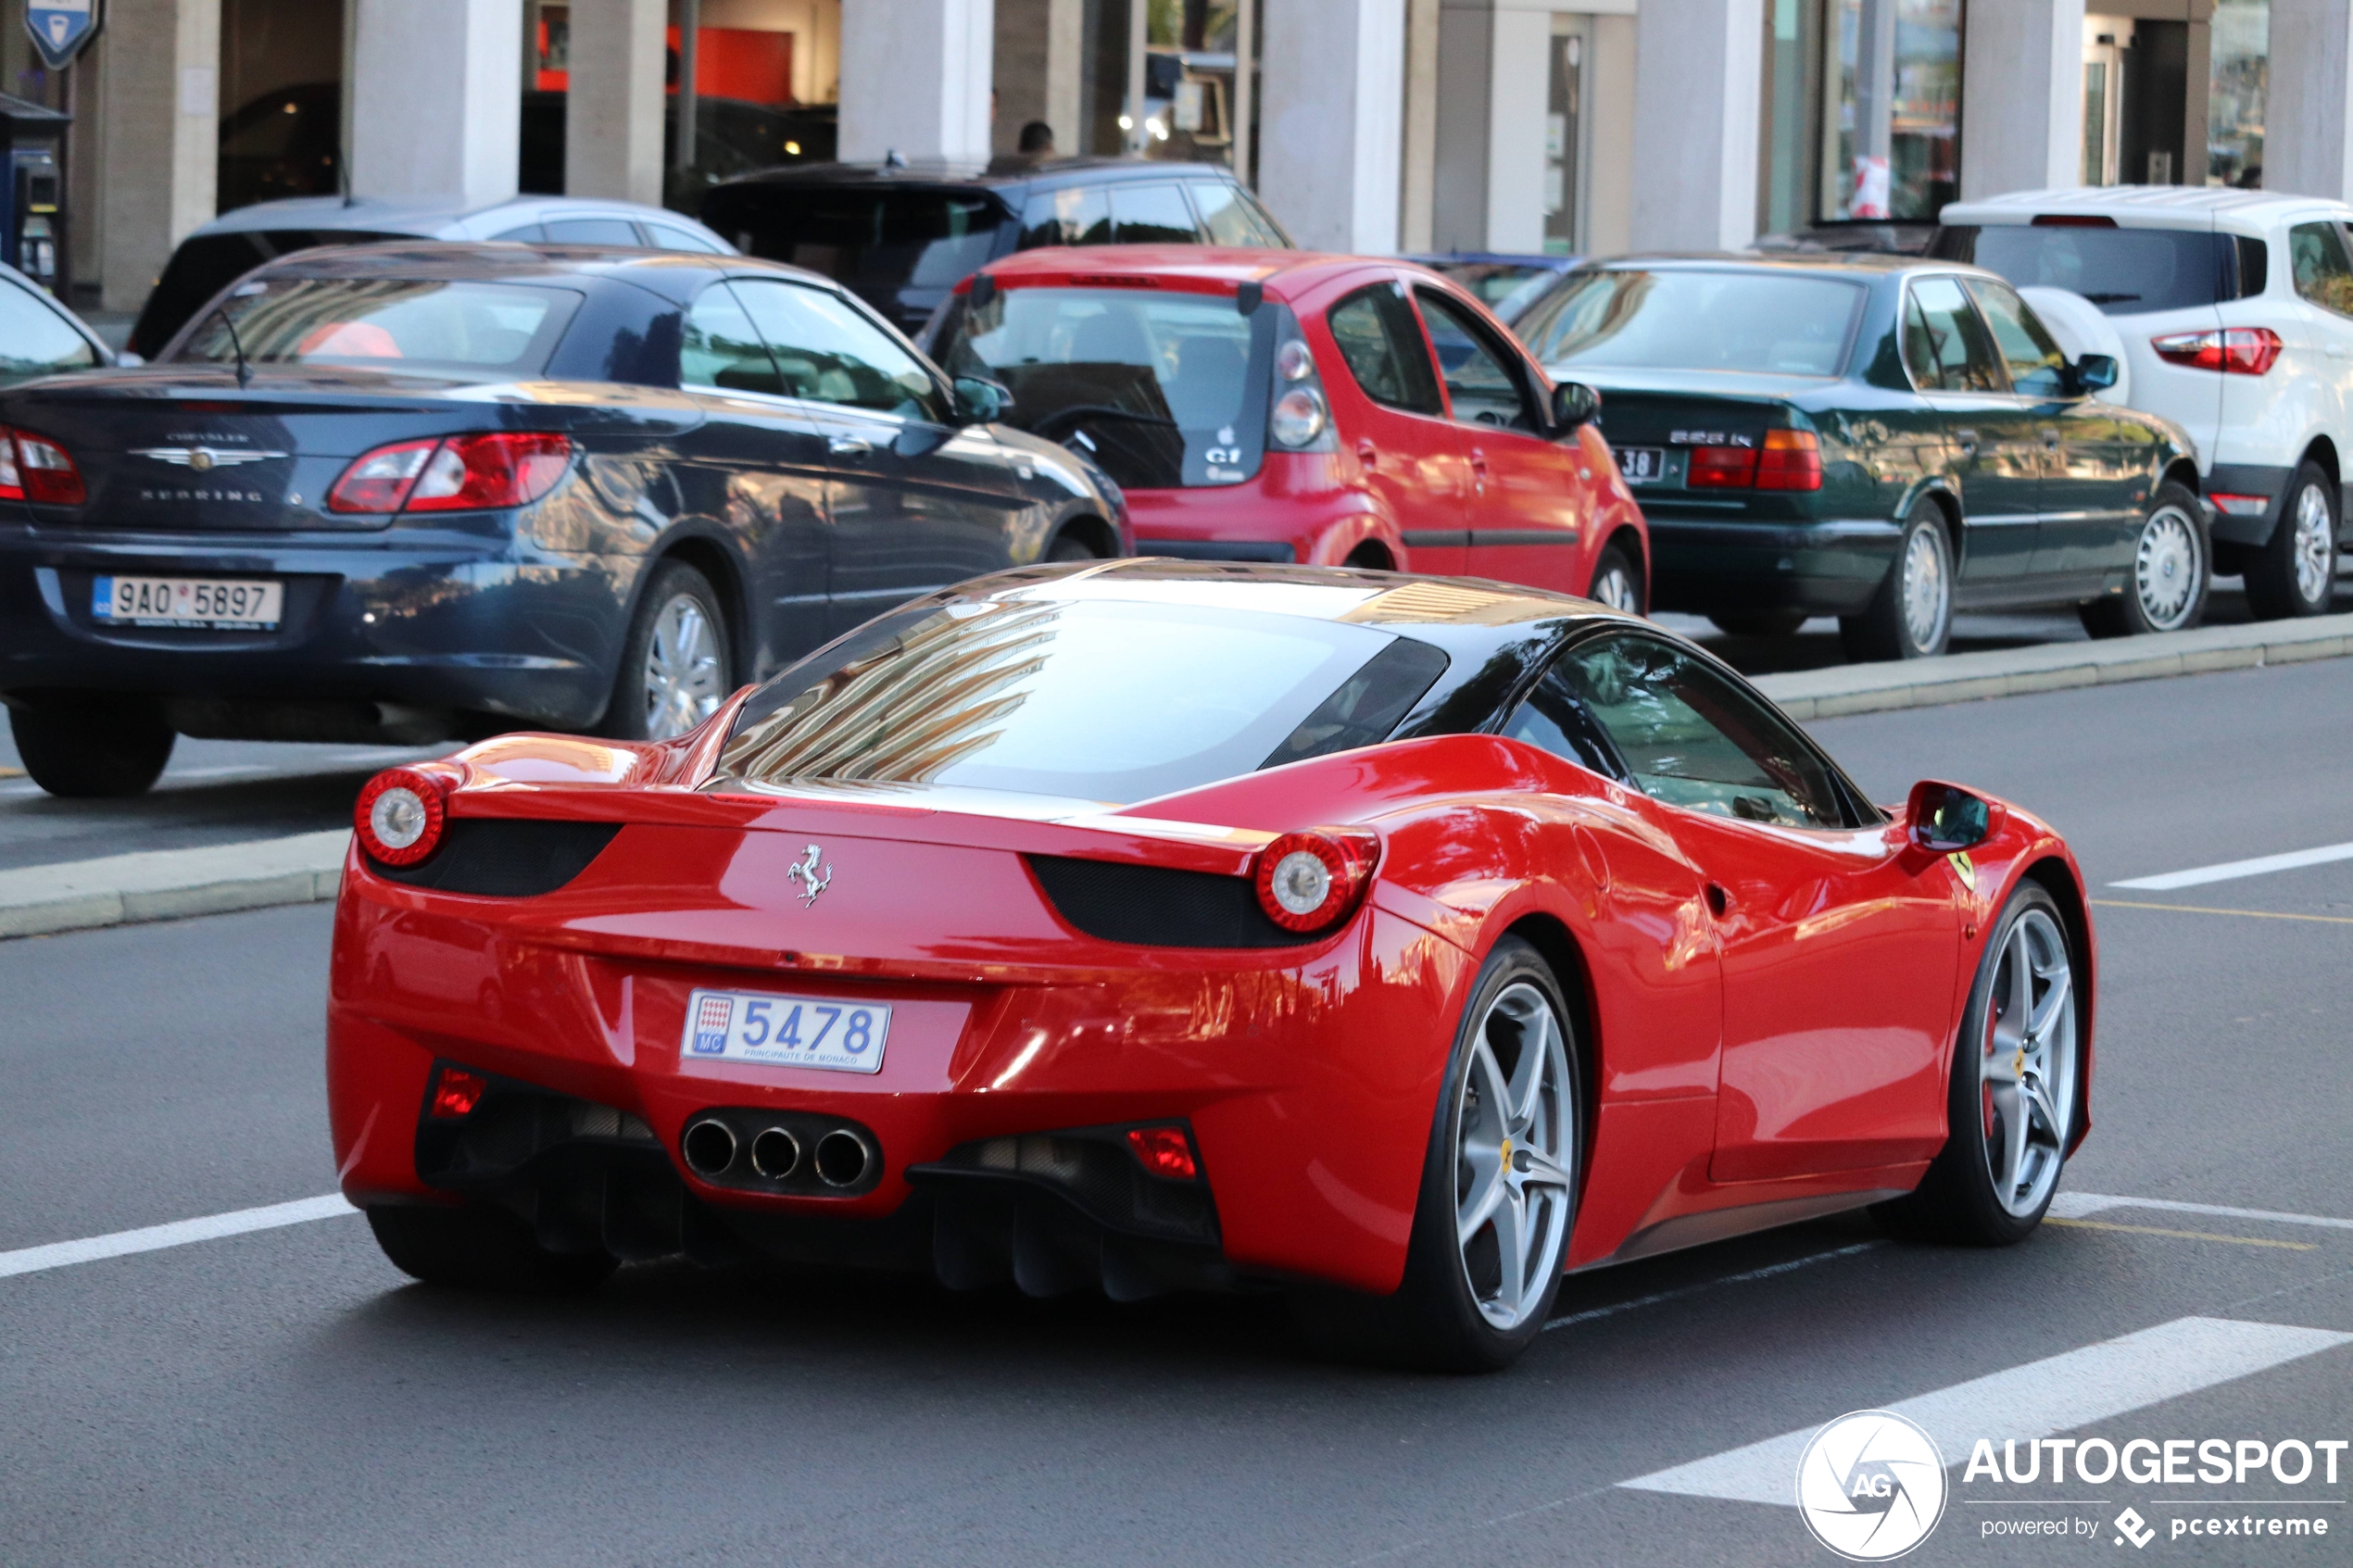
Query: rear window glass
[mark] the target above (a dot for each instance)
(1097, 699)
(1162, 390)
(2124, 271)
(1761, 322)
(1230, 218)
(386, 323)
(869, 239)
(206, 264)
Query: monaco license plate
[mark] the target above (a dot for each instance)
(785, 1031)
(1642, 465)
(187, 601)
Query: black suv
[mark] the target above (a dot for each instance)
(902, 237)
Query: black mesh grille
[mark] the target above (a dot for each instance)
(1158, 906)
(502, 857)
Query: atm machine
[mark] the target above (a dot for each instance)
(33, 188)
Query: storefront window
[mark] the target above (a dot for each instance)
(2241, 68)
(1862, 109)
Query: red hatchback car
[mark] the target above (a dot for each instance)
(1282, 406)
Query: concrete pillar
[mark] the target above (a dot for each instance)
(2307, 123)
(915, 78)
(613, 112)
(1496, 78)
(1698, 90)
(434, 110)
(1609, 160)
(2022, 97)
(1333, 125)
(1038, 55)
(1418, 179)
(158, 119)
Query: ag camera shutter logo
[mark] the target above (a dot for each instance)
(1871, 1486)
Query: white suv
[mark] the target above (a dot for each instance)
(2237, 312)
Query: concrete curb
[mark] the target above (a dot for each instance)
(170, 884)
(2049, 666)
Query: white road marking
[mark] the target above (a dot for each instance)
(2056, 1393)
(1765, 1272)
(2080, 1205)
(179, 1233)
(2230, 870)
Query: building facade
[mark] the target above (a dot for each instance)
(1561, 126)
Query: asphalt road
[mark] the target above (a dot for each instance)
(285, 1397)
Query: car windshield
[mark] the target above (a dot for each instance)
(1760, 322)
(1162, 390)
(2124, 271)
(386, 323)
(871, 240)
(1098, 699)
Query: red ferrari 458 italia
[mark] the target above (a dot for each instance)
(1150, 925)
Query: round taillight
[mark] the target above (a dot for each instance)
(1299, 417)
(1308, 881)
(1294, 360)
(399, 816)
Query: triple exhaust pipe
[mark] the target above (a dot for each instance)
(753, 1150)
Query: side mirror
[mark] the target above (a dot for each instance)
(1574, 404)
(980, 401)
(1944, 818)
(2096, 373)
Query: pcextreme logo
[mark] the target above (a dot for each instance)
(1871, 1486)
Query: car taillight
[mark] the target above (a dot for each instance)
(1298, 416)
(464, 474)
(399, 816)
(456, 1093)
(1721, 468)
(1165, 1151)
(36, 470)
(1792, 459)
(2237, 351)
(1309, 881)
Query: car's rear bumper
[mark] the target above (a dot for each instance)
(1828, 567)
(440, 623)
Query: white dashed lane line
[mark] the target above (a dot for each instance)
(2056, 1393)
(179, 1233)
(2231, 871)
(2083, 1205)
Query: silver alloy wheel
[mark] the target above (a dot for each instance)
(1515, 1146)
(2026, 1082)
(2167, 568)
(685, 682)
(1927, 588)
(1614, 586)
(2311, 545)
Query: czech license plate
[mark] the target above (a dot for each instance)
(1642, 465)
(785, 1030)
(187, 601)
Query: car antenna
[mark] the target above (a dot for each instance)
(343, 179)
(245, 371)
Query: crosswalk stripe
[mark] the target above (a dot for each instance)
(179, 1233)
(2231, 871)
(2082, 1205)
(2056, 1393)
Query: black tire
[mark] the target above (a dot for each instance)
(647, 703)
(1434, 1321)
(93, 745)
(482, 1247)
(2173, 570)
(1885, 630)
(1618, 563)
(1758, 622)
(1960, 1200)
(2295, 572)
(1071, 547)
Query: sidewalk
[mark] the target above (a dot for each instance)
(170, 884)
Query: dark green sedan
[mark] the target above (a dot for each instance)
(1885, 439)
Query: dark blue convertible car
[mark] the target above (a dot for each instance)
(407, 492)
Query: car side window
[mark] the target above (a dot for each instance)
(1944, 345)
(1481, 381)
(2037, 367)
(828, 353)
(2324, 273)
(35, 341)
(1224, 219)
(1075, 215)
(1152, 215)
(1384, 350)
(530, 234)
(1685, 735)
(722, 349)
(594, 232)
(667, 238)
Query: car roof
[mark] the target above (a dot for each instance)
(2136, 205)
(433, 219)
(1318, 593)
(1216, 264)
(674, 274)
(1872, 262)
(996, 174)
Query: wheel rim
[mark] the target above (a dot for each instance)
(2026, 1082)
(2167, 568)
(1615, 587)
(2313, 543)
(1926, 591)
(1514, 1146)
(685, 680)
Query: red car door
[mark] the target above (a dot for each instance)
(1840, 952)
(1531, 506)
(1390, 422)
